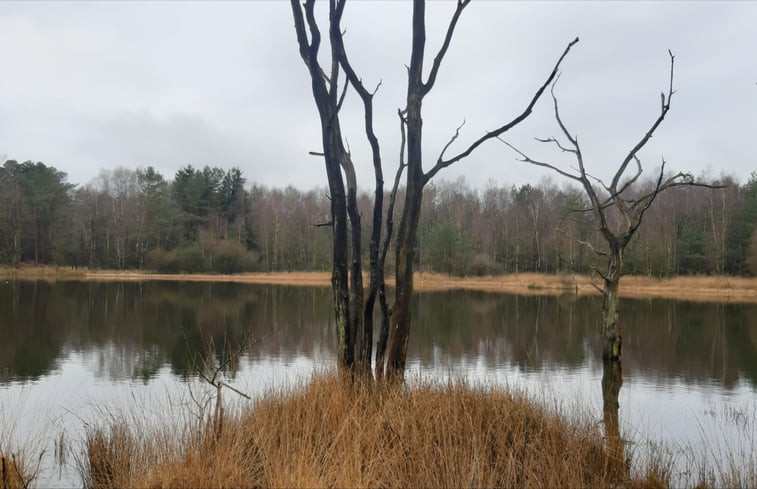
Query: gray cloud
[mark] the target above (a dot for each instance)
(92, 86)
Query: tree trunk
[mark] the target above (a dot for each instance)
(347, 303)
(386, 312)
(399, 332)
(356, 324)
(408, 228)
(339, 270)
(611, 334)
(365, 349)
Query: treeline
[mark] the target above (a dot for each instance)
(211, 220)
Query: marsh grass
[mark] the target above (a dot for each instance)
(726, 463)
(19, 467)
(328, 433)
(19, 461)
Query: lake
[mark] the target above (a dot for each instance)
(71, 350)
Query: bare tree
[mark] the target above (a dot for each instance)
(618, 207)
(353, 313)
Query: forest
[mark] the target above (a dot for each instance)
(211, 219)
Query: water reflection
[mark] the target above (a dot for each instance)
(132, 330)
(612, 381)
(69, 347)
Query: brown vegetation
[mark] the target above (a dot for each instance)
(691, 288)
(330, 434)
(17, 469)
(13, 473)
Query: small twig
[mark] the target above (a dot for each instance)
(343, 96)
(556, 143)
(599, 289)
(592, 248)
(451, 140)
(212, 379)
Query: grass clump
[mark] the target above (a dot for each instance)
(15, 472)
(331, 433)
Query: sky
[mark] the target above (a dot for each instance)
(88, 86)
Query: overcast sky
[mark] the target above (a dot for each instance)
(90, 86)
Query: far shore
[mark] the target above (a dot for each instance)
(691, 288)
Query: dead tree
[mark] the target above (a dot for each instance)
(347, 288)
(618, 208)
(354, 312)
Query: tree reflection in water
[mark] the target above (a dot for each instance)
(135, 330)
(612, 380)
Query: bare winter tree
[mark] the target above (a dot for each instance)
(618, 207)
(353, 309)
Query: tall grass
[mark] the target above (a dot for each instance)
(329, 433)
(19, 467)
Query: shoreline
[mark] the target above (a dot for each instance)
(691, 288)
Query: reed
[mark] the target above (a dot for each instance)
(19, 467)
(332, 433)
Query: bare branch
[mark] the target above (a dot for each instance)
(308, 51)
(573, 139)
(596, 179)
(557, 143)
(342, 97)
(461, 4)
(588, 244)
(403, 135)
(246, 396)
(212, 379)
(366, 96)
(501, 130)
(583, 177)
(378, 85)
(593, 284)
(600, 273)
(333, 79)
(527, 159)
(315, 33)
(664, 108)
(395, 187)
(632, 180)
(592, 248)
(451, 140)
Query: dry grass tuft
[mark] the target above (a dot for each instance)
(14, 472)
(331, 434)
(19, 467)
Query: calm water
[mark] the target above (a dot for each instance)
(68, 349)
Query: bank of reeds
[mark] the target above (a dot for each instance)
(720, 288)
(332, 434)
